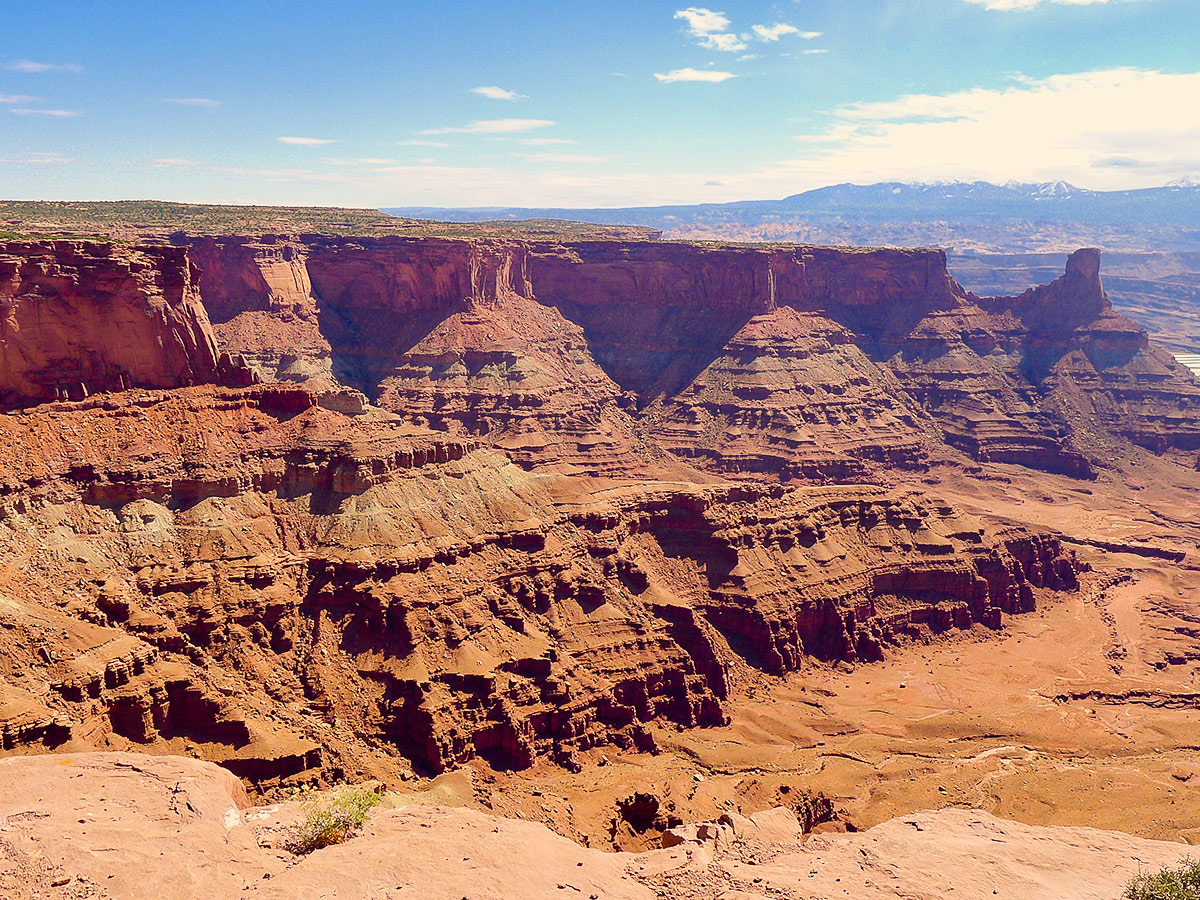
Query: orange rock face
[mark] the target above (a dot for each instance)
(602, 485)
(80, 318)
(242, 568)
(798, 363)
(172, 828)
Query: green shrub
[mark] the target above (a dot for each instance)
(1179, 883)
(333, 818)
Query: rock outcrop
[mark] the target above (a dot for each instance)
(237, 570)
(794, 363)
(709, 448)
(1053, 379)
(166, 828)
(78, 318)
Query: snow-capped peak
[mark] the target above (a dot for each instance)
(1056, 189)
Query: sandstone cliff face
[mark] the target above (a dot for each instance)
(278, 586)
(280, 578)
(1052, 379)
(597, 354)
(79, 317)
(795, 363)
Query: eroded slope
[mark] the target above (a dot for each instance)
(797, 363)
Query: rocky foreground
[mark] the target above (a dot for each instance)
(128, 826)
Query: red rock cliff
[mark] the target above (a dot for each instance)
(79, 317)
(786, 361)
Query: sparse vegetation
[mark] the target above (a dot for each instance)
(333, 818)
(155, 221)
(1180, 882)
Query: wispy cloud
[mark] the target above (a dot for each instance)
(770, 34)
(545, 142)
(1011, 5)
(701, 21)
(305, 141)
(493, 126)
(497, 93)
(34, 67)
(17, 98)
(773, 32)
(193, 101)
(52, 113)
(711, 29)
(422, 144)
(39, 158)
(1072, 127)
(689, 74)
(1110, 129)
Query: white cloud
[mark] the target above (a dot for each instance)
(703, 21)
(1009, 5)
(52, 113)
(693, 75)
(31, 66)
(497, 93)
(773, 32)
(711, 29)
(545, 142)
(727, 43)
(193, 101)
(305, 141)
(422, 144)
(1111, 129)
(16, 98)
(816, 51)
(1104, 129)
(493, 126)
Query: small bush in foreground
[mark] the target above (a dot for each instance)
(1179, 883)
(332, 819)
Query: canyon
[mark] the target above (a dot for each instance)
(531, 524)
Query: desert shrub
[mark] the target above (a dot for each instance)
(333, 818)
(1179, 883)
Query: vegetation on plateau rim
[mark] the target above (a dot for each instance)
(333, 818)
(1179, 883)
(154, 220)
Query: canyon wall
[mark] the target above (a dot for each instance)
(79, 317)
(260, 580)
(602, 485)
(800, 363)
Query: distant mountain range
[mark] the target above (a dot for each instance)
(976, 202)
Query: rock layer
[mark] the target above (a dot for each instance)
(241, 569)
(790, 362)
(281, 577)
(78, 318)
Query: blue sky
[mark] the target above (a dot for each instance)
(599, 103)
